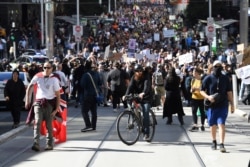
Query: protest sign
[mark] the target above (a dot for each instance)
(156, 37)
(240, 47)
(167, 33)
(185, 58)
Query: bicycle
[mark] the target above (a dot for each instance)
(129, 123)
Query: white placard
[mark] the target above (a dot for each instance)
(151, 57)
(138, 56)
(204, 48)
(240, 47)
(239, 58)
(145, 52)
(243, 72)
(168, 33)
(172, 17)
(106, 54)
(185, 58)
(156, 37)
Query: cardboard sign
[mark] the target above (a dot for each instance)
(240, 47)
(246, 57)
(115, 56)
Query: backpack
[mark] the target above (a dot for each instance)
(159, 78)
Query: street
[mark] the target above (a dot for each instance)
(173, 145)
(6, 120)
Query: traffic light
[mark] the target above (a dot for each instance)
(12, 35)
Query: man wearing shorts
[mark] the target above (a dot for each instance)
(217, 113)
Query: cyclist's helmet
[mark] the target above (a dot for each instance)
(138, 67)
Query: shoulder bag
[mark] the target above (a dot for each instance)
(99, 96)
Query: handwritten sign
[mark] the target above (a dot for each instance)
(243, 72)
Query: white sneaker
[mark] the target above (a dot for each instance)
(115, 110)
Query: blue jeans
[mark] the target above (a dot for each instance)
(247, 98)
(242, 90)
(145, 110)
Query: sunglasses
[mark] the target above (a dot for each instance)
(46, 68)
(217, 66)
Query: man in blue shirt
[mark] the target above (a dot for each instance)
(217, 114)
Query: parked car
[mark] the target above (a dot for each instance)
(32, 52)
(4, 77)
(28, 60)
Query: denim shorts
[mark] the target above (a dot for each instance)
(217, 116)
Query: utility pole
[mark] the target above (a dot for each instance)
(42, 23)
(49, 17)
(244, 22)
(78, 23)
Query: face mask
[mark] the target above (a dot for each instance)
(217, 71)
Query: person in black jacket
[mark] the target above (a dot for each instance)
(90, 85)
(173, 103)
(14, 93)
(141, 84)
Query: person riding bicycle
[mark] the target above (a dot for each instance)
(140, 84)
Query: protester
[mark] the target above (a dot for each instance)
(141, 84)
(197, 100)
(173, 103)
(217, 113)
(117, 82)
(90, 83)
(158, 80)
(14, 93)
(46, 103)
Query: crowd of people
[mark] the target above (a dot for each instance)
(164, 78)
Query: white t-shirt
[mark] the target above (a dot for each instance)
(46, 87)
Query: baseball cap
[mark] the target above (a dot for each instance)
(217, 62)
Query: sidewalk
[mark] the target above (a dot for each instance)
(173, 145)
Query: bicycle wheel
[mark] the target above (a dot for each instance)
(128, 128)
(152, 123)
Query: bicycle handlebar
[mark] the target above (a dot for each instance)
(132, 97)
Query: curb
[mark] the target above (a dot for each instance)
(12, 133)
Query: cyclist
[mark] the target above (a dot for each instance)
(140, 84)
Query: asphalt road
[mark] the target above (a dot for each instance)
(6, 120)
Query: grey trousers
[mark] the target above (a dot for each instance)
(43, 113)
